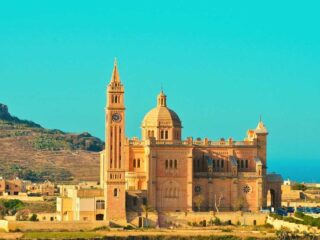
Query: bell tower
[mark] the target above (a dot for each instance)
(115, 192)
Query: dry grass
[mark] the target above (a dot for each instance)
(19, 150)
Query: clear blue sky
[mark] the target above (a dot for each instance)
(221, 63)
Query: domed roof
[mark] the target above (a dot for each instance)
(161, 115)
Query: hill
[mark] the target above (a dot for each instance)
(29, 151)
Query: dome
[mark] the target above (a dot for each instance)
(162, 116)
(161, 122)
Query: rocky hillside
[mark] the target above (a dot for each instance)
(30, 151)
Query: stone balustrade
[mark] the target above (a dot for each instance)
(191, 142)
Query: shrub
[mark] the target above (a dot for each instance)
(34, 218)
(301, 187)
(217, 221)
(128, 227)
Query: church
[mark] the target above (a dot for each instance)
(167, 173)
(172, 174)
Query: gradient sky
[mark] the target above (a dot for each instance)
(221, 64)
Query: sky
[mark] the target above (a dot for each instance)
(222, 64)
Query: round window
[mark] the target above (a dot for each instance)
(246, 189)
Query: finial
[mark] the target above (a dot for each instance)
(115, 77)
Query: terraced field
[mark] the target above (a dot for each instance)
(27, 149)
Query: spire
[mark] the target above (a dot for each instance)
(115, 77)
(261, 128)
(162, 99)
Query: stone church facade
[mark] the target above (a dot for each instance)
(173, 174)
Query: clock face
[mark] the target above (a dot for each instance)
(116, 117)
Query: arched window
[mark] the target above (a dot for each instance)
(170, 192)
(242, 166)
(222, 163)
(134, 163)
(166, 164)
(161, 134)
(138, 162)
(218, 163)
(115, 99)
(247, 164)
(166, 134)
(115, 192)
(170, 163)
(175, 164)
(152, 133)
(100, 204)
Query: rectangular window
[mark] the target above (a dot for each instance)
(247, 164)
(242, 166)
(100, 204)
(222, 163)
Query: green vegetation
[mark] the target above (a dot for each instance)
(50, 143)
(300, 218)
(10, 207)
(50, 174)
(299, 186)
(23, 209)
(34, 218)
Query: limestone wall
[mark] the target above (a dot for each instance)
(185, 219)
(4, 225)
(50, 226)
(22, 198)
(133, 218)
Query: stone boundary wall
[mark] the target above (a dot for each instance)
(22, 198)
(54, 226)
(242, 218)
(278, 224)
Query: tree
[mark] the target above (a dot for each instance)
(218, 203)
(198, 200)
(11, 206)
(34, 218)
(299, 186)
(3, 210)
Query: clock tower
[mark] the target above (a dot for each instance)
(115, 192)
